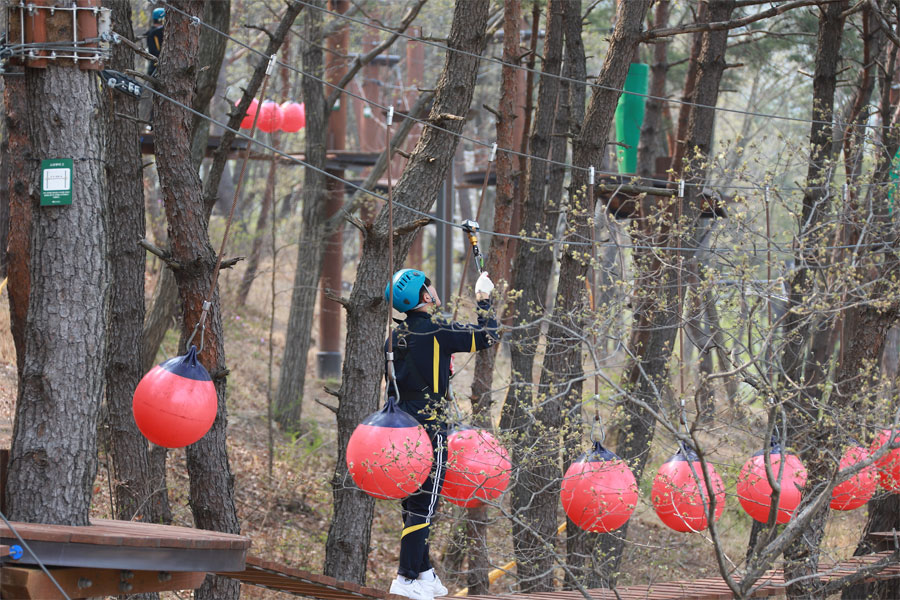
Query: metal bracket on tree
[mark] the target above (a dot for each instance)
(75, 35)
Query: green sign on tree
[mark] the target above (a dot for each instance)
(56, 181)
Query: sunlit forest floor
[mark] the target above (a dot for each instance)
(287, 512)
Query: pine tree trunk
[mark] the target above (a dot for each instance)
(135, 496)
(54, 445)
(310, 249)
(347, 548)
(211, 481)
(531, 273)
(657, 316)
(497, 256)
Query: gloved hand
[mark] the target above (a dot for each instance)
(483, 286)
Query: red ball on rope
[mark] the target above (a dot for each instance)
(860, 488)
(755, 493)
(389, 454)
(599, 492)
(247, 121)
(888, 465)
(680, 494)
(294, 117)
(270, 117)
(175, 403)
(478, 468)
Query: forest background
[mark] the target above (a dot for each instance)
(745, 265)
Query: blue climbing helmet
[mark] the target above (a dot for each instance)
(407, 284)
(158, 14)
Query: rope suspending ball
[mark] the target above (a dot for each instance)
(680, 494)
(175, 403)
(478, 468)
(755, 493)
(599, 492)
(389, 454)
(889, 464)
(860, 488)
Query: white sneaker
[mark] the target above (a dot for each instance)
(431, 582)
(411, 588)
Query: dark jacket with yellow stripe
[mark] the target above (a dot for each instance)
(423, 345)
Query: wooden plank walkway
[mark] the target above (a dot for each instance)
(709, 588)
(281, 577)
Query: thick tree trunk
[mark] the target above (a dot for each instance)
(54, 444)
(657, 306)
(802, 554)
(497, 257)
(531, 274)
(562, 372)
(164, 303)
(211, 481)
(310, 249)
(652, 143)
(19, 146)
(135, 489)
(347, 548)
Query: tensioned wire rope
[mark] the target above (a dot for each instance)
(535, 240)
(510, 151)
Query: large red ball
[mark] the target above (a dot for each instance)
(294, 117)
(860, 488)
(478, 468)
(755, 493)
(247, 121)
(175, 403)
(270, 117)
(389, 454)
(599, 492)
(680, 502)
(888, 465)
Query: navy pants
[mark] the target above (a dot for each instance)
(420, 508)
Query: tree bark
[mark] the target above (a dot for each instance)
(562, 371)
(135, 493)
(652, 143)
(164, 302)
(211, 481)
(53, 454)
(310, 249)
(531, 273)
(19, 146)
(347, 547)
(657, 307)
(482, 382)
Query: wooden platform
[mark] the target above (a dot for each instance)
(127, 545)
(114, 557)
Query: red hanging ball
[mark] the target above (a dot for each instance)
(680, 502)
(294, 117)
(478, 468)
(755, 493)
(860, 488)
(175, 403)
(888, 465)
(599, 492)
(270, 117)
(389, 454)
(247, 121)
